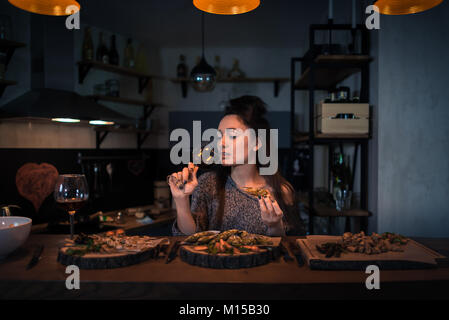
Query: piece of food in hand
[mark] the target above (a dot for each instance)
(257, 192)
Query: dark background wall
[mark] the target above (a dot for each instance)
(413, 123)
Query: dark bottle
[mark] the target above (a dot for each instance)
(88, 45)
(102, 50)
(181, 69)
(129, 59)
(113, 53)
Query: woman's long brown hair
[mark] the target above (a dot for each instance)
(251, 111)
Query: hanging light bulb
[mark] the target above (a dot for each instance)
(400, 7)
(226, 6)
(203, 76)
(47, 7)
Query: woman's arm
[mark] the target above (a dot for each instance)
(185, 221)
(272, 214)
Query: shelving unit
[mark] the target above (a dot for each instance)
(141, 134)
(8, 47)
(143, 78)
(325, 72)
(276, 82)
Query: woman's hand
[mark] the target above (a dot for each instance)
(271, 213)
(183, 183)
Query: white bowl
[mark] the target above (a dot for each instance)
(14, 231)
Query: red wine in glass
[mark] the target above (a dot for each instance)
(71, 194)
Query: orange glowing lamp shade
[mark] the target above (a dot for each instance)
(401, 7)
(48, 7)
(227, 7)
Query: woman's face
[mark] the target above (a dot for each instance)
(235, 141)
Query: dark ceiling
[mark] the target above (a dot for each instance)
(177, 23)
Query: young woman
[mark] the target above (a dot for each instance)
(219, 197)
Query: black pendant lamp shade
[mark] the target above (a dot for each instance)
(203, 76)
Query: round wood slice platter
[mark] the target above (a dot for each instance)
(105, 260)
(228, 261)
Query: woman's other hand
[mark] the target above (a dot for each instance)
(271, 213)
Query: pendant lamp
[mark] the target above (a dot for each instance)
(46, 7)
(226, 6)
(203, 76)
(401, 7)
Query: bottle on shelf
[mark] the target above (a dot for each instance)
(235, 72)
(113, 53)
(102, 50)
(129, 58)
(181, 69)
(141, 59)
(88, 45)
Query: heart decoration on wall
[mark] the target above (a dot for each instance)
(35, 182)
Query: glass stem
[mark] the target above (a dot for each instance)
(72, 224)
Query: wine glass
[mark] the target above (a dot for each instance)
(71, 193)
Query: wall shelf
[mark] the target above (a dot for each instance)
(102, 132)
(321, 138)
(276, 82)
(331, 70)
(143, 78)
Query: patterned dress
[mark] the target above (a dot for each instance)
(241, 210)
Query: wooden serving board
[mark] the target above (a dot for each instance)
(266, 254)
(108, 260)
(414, 256)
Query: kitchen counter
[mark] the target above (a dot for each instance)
(153, 279)
(130, 224)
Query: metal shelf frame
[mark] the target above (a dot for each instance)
(312, 140)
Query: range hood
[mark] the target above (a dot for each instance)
(53, 79)
(54, 103)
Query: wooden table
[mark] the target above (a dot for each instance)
(154, 279)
